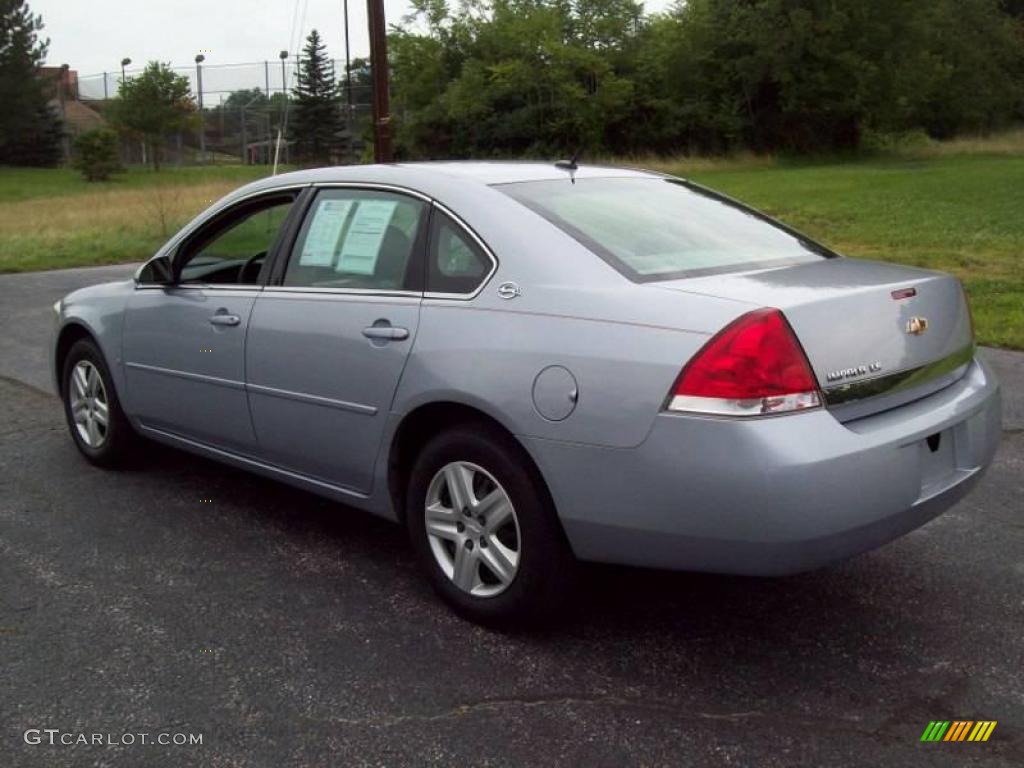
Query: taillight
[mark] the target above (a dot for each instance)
(753, 367)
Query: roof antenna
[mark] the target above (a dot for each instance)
(570, 165)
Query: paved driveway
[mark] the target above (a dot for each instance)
(184, 597)
(26, 316)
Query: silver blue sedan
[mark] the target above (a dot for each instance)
(529, 365)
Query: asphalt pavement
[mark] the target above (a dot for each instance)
(183, 597)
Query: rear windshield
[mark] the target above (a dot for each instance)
(660, 229)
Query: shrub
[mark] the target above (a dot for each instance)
(895, 142)
(96, 154)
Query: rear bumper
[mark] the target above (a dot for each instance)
(776, 495)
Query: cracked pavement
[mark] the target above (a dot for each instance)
(291, 631)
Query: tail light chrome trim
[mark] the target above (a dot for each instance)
(764, 406)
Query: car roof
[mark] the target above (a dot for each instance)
(434, 178)
(506, 172)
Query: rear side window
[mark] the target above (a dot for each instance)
(455, 263)
(356, 239)
(659, 229)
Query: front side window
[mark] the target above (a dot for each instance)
(356, 239)
(235, 249)
(660, 229)
(455, 263)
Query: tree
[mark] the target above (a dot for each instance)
(979, 67)
(152, 105)
(524, 77)
(96, 154)
(30, 129)
(814, 75)
(493, 77)
(358, 132)
(1014, 8)
(250, 98)
(317, 122)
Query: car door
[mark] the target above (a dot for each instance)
(184, 343)
(329, 339)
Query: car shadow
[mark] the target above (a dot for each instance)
(610, 600)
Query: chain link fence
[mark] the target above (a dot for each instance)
(243, 108)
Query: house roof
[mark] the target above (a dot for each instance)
(79, 118)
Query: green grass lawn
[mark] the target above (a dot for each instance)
(960, 212)
(53, 218)
(18, 184)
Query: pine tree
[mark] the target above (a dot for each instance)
(30, 129)
(317, 120)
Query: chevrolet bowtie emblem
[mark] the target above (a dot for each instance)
(917, 325)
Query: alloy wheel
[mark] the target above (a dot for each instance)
(472, 529)
(90, 409)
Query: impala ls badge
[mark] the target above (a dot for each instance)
(853, 373)
(917, 325)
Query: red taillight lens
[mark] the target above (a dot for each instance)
(755, 366)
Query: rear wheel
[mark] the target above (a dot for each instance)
(94, 416)
(484, 528)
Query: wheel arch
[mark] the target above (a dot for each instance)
(70, 333)
(428, 419)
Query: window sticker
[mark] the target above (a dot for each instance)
(365, 235)
(321, 245)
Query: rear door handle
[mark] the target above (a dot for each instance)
(386, 332)
(225, 319)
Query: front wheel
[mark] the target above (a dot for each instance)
(485, 530)
(97, 424)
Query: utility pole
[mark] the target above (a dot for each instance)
(202, 117)
(348, 94)
(245, 138)
(379, 70)
(283, 55)
(62, 85)
(142, 142)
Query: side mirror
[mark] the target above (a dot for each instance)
(156, 271)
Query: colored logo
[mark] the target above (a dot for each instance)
(958, 730)
(917, 325)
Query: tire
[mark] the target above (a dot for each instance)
(488, 462)
(108, 445)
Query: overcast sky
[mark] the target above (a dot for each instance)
(93, 36)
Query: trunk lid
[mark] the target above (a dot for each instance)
(877, 335)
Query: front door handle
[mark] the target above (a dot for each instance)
(386, 332)
(223, 318)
